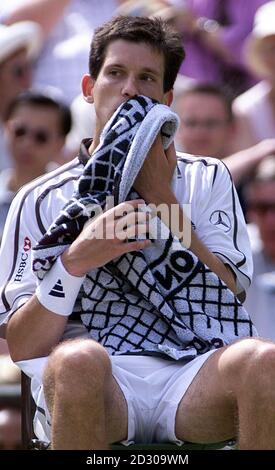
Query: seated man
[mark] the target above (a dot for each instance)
(173, 360)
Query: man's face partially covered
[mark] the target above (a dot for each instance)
(129, 69)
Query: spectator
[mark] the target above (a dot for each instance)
(19, 44)
(260, 195)
(206, 120)
(255, 109)
(213, 34)
(36, 127)
(67, 27)
(207, 127)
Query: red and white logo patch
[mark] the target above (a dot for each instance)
(27, 244)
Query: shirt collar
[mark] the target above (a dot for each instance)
(84, 155)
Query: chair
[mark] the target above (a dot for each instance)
(30, 441)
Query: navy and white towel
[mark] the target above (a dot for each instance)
(161, 300)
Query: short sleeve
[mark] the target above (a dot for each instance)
(221, 225)
(17, 282)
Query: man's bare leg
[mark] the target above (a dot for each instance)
(87, 406)
(233, 394)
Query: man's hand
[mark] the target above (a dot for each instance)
(153, 184)
(154, 179)
(106, 238)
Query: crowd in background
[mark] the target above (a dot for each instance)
(224, 96)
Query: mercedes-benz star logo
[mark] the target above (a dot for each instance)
(221, 219)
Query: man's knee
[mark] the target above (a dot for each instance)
(76, 363)
(248, 362)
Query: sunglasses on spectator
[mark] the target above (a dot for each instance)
(208, 124)
(39, 136)
(262, 208)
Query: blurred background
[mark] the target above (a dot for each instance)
(224, 96)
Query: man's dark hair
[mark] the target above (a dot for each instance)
(212, 90)
(38, 100)
(155, 32)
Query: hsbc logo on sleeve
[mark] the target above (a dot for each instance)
(23, 259)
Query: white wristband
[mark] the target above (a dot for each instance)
(58, 290)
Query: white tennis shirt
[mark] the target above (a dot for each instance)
(205, 183)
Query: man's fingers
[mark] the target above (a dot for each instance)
(131, 219)
(133, 231)
(135, 246)
(124, 208)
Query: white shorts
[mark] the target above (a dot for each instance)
(153, 388)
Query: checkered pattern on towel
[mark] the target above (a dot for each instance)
(161, 300)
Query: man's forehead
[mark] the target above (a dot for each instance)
(120, 46)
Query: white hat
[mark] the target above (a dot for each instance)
(264, 26)
(18, 35)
